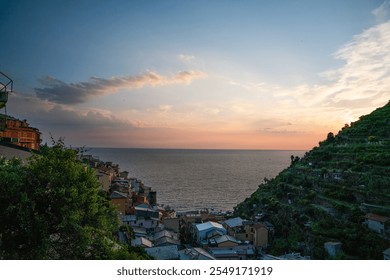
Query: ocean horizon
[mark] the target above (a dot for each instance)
(195, 179)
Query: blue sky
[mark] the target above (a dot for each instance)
(195, 74)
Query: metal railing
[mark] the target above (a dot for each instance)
(9, 83)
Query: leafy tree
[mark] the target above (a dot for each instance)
(52, 209)
(330, 137)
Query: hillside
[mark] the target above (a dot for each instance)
(326, 195)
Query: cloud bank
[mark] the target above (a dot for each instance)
(60, 92)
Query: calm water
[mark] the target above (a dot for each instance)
(198, 179)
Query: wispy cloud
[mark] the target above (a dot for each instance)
(60, 92)
(382, 12)
(361, 82)
(186, 57)
(366, 72)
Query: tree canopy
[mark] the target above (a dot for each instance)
(52, 208)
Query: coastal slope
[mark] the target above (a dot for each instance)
(338, 192)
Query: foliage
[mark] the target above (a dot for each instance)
(52, 209)
(333, 186)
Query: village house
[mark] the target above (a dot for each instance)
(242, 252)
(90, 160)
(139, 199)
(170, 252)
(290, 256)
(129, 220)
(165, 233)
(142, 242)
(124, 175)
(121, 201)
(165, 241)
(172, 224)
(333, 248)
(386, 254)
(195, 254)
(147, 213)
(139, 232)
(233, 225)
(258, 233)
(165, 237)
(120, 188)
(122, 182)
(261, 234)
(104, 179)
(144, 205)
(167, 212)
(224, 241)
(108, 170)
(150, 224)
(205, 231)
(135, 183)
(377, 223)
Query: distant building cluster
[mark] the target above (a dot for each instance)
(169, 235)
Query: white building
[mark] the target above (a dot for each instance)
(377, 223)
(206, 231)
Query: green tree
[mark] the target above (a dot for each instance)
(52, 209)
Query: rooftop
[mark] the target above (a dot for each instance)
(117, 194)
(209, 225)
(142, 241)
(164, 252)
(195, 254)
(234, 222)
(378, 218)
(226, 238)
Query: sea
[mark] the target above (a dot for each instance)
(199, 179)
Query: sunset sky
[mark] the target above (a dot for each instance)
(195, 74)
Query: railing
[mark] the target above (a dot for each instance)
(9, 84)
(5, 87)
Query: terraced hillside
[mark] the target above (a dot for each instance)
(329, 194)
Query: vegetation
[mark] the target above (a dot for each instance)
(325, 195)
(52, 208)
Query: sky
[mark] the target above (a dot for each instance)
(195, 74)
